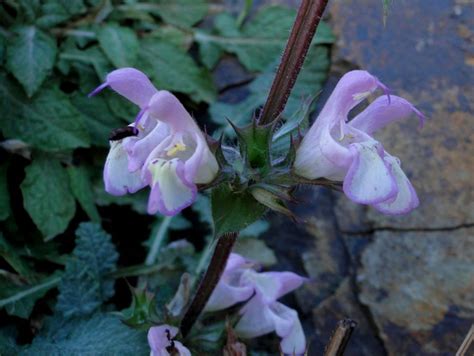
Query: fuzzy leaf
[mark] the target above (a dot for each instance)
(101, 334)
(258, 43)
(48, 121)
(47, 196)
(120, 45)
(232, 212)
(20, 300)
(31, 57)
(85, 285)
(173, 69)
(57, 11)
(181, 12)
(82, 189)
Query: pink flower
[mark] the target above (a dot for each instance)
(166, 151)
(262, 314)
(339, 150)
(160, 339)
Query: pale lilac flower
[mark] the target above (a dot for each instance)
(262, 313)
(160, 339)
(168, 151)
(339, 150)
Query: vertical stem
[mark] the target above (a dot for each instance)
(209, 281)
(340, 338)
(302, 33)
(158, 241)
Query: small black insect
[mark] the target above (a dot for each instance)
(123, 132)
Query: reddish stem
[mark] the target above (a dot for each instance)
(302, 33)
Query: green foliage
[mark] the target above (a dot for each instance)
(233, 211)
(101, 334)
(172, 69)
(19, 299)
(47, 196)
(81, 187)
(48, 121)
(86, 284)
(308, 84)
(30, 57)
(120, 45)
(52, 54)
(4, 194)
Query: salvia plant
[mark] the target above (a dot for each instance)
(249, 162)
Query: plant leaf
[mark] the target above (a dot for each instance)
(232, 212)
(101, 334)
(48, 121)
(181, 12)
(173, 69)
(82, 189)
(47, 196)
(120, 45)
(20, 300)
(31, 57)
(4, 194)
(85, 285)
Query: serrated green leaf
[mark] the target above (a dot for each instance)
(20, 300)
(120, 45)
(48, 121)
(57, 11)
(4, 194)
(47, 196)
(30, 57)
(180, 12)
(173, 69)
(85, 284)
(232, 212)
(82, 189)
(92, 56)
(101, 334)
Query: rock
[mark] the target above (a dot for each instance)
(425, 55)
(343, 304)
(419, 287)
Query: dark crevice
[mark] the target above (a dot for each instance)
(406, 229)
(235, 85)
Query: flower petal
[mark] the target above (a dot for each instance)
(201, 167)
(406, 199)
(369, 180)
(130, 83)
(139, 149)
(382, 112)
(257, 319)
(226, 295)
(118, 179)
(158, 338)
(170, 192)
(272, 285)
(294, 342)
(182, 350)
(166, 107)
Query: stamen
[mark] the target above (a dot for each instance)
(177, 147)
(98, 89)
(420, 115)
(139, 116)
(361, 96)
(385, 89)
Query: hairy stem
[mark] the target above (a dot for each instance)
(209, 281)
(302, 33)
